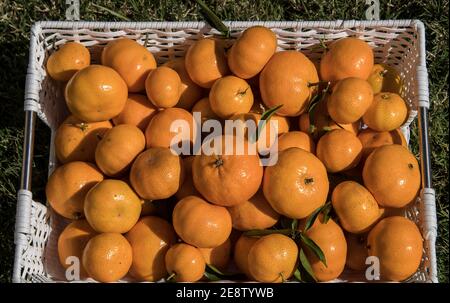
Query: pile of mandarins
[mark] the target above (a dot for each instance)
(138, 211)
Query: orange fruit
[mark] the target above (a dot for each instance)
(138, 111)
(68, 185)
(76, 140)
(186, 262)
(331, 240)
(304, 123)
(226, 178)
(96, 93)
(297, 184)
(339, 150)
(131, 60)
(391, 173)
(187, 188)
(350, 99)
(204, 108)
(322, 122)
(206, 62)
(385, 78)
(111, 206)
(357, 251)
(286, 80)
(398, 244)
(159, 133)
(118, 148)
(190, 92)
(372, 139)
(218, 256)
(200, 223)
(347, 57)
(296, 139)
(150, 239)
(387, 112)
(163, 87)
(355, 206)
(256, 213)
(156, 174)
(273, 258)
(67, 60)
(72, 241)
(229, 96)
(251, 51)
(240, 255)
(107, 257)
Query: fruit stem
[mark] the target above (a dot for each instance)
(318, 83)
(218, 162)
(242, 93)
(383, 73)
(309, 180)
(172, 275)
(385, 96)
(83, 126)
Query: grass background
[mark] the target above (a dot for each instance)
(16, 17)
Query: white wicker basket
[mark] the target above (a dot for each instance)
(396, 42)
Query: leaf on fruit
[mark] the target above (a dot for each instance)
(212, 273)
(306, 265)
(314, 248)
(211, 276)
(326, 210)
(265, 117)
(312, 218)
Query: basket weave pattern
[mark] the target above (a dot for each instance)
(395, 42)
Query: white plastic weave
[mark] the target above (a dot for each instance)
(396, 42)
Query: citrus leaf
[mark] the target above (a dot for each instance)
(270, 112)
(265, 117)
(265, 232)
(285, 222)
(211, 276)
(327, 212)
(215, 269)
(294, 224)
(213, 20)
(298, 275)
(314, 248)
(312, 218)
(306, 265)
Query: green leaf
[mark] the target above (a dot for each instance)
(265, 232)
(213, 20)
(306, 265)
(327, 212)
(298, 275)
(212, 276)
(314, 248)
(120, 16)
(294, 224)
(215, 269)
(270, 112)
(285, 222)
(265, 117)
(312, 218)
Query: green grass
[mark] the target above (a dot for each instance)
(16, 18)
